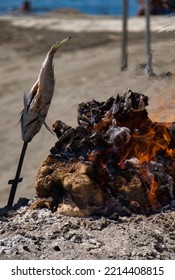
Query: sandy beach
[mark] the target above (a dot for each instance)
(88, 67)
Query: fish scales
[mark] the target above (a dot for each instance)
(37, 101)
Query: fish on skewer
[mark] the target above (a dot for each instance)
(36, 106)
(37, 101)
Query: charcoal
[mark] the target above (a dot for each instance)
(96, 115)
(84, 121)
(118, 135)
(131, 167)
(97, 139)
(165, 181)
(116, 105)
(63, 141)
(84, 108)
(90, 113)
(74, 143)
(132, 163)
(132, 101)
(106, 106)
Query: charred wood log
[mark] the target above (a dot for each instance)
(115, 161)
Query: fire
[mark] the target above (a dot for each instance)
(123, 145)
(152, 195)
(145, 146)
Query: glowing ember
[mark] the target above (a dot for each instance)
(152, 195)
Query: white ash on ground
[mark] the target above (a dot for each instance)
(42, 234)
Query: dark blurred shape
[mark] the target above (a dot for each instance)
(172, 5)
(26, 7)
(157, 7)
(124, 61)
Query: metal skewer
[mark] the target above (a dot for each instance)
(36, 104)
(14, 182)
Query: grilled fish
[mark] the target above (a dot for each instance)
(37, 101)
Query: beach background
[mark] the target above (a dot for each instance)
(93, 7)
(87, 67)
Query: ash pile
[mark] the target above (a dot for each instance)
(115, 162)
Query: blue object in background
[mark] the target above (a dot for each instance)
(93, 7)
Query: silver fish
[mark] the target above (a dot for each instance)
(37, 102)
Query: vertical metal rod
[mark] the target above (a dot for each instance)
(17, 179)
(149, 69)
(124, 61)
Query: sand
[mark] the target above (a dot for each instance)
(88, 67)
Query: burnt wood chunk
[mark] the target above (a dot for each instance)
(116, 161)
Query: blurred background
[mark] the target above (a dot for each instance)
(93, 7)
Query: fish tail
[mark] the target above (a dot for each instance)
(57, 45)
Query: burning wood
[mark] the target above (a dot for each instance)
(115, 161)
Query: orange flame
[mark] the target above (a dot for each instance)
(145, 146)
(152, 198)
